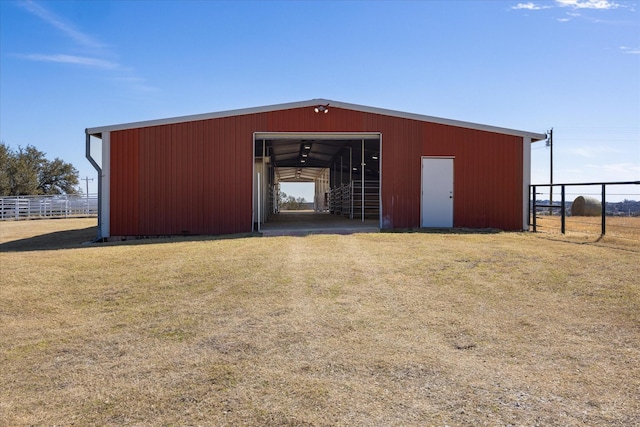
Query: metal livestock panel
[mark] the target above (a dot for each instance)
(196, 177)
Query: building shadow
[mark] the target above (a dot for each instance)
(85, 238)
(67, 239)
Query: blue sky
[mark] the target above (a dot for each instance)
(573, 65)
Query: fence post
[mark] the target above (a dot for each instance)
(604, 209)
(562, 217)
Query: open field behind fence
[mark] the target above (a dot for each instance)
(588, 210)
(367, 329)
(622, 230)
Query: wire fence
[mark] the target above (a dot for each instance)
(51, 206)
(599, 208)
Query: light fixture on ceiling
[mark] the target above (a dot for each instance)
(374, 157)
(322, 109)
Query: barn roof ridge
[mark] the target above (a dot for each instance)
(311, 103)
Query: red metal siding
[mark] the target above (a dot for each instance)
(196, 177)
(187, 178)
(487, 175)
(124, 184)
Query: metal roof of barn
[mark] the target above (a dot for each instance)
(97, 131)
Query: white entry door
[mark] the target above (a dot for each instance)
(437, 192)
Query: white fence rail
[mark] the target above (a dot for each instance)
(53, 206)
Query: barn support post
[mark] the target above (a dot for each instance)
(253, 183)
(563, 211)
(105, 213)
(332, 180)
(350, 164)
(264, 174)
(550, 145)
(380, 181)
(526, 183)
(534, 208)
(362, 165)
(604, 210)
(351, 180)
(258, 202)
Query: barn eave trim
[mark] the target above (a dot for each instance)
(96, 131)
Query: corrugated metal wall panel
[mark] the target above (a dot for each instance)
(180, 179)
(487, 175)
(196, 177)
(208, 183)
(124, 158)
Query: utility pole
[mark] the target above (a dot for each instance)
(550, 145)
(86, 180)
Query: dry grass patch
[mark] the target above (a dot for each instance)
(623, 232)
(367, 329)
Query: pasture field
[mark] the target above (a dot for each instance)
(620, 231)
(365, 329)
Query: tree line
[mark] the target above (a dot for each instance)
(290, 203)
(27, 171)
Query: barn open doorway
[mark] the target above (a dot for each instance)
(298, 196)
(343, 168)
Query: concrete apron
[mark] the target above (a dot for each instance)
(301, 223)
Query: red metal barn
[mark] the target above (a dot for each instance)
(218, 173)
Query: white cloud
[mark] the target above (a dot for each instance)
(68, 29)
(72, 59)
(616, 171)
(569, 16)
(97, 51)
(573, 4)
(630, 50)
(593, 151)
(529, 6)
(136, 83)
(588, 4)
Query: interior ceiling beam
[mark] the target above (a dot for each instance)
(305, 174)
(287, 153)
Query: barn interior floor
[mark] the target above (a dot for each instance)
(298, 223)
